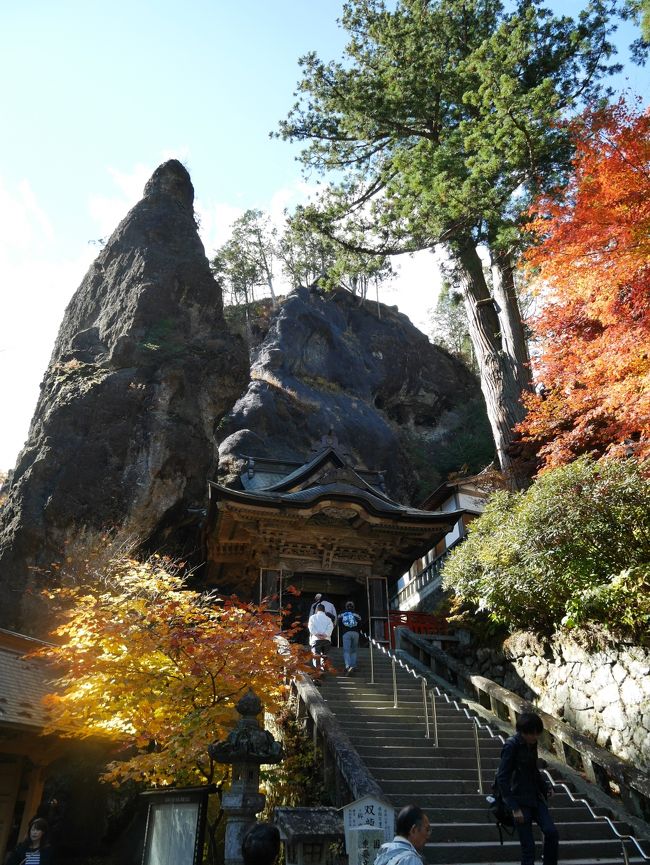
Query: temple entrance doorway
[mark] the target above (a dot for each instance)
(296, 591)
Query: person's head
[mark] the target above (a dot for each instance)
(413, 824)
(38, 832)
(318, 597)
(261, 844)
(349, 605)
(321, 608)
(530, 727)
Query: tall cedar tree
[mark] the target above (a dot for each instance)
(594, 275)
(439, 124)
(155, 670)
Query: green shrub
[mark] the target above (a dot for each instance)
(533, 555)
(623, 603)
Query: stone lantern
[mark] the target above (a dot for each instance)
(246, 748)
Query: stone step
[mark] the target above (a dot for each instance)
(463, 749)
(606, 860)
(426, 762)
(487, 832)
(379, 713)
(443, 780)
(594, 852)
(455, 801)
(446, 736)
(345, 693)
(369, 701)
(433, 784)
(380, 685)
(395, 722)
(420, 749)
(408, 739)
(409, 710)
(425, 773)
(479, 815)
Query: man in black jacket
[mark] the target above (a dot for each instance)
(525, 791)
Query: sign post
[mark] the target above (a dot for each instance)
(368, 823)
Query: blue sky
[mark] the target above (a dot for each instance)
(96, 95)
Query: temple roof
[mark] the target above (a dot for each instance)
(23, 682)
(324, 515)
(279, 475)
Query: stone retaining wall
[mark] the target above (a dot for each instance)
(604, 694)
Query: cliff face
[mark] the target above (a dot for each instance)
(396, 402)
(142, 369)
(148, 393)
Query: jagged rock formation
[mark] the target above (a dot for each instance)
(396, 402)
(146, 379)
(143, 368)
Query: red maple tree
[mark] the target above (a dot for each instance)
(592, 275)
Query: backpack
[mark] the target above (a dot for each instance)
(348, 619)
(499, 812)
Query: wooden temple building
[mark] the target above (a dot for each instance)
(25, 753)
(323, 526)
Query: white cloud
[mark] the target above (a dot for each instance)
(215, 219)
(108, 210)
(37, 282)
(417, 285)
(22, 221)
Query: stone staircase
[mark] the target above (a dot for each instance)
(443, 780)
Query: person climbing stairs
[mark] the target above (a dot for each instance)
(443, 779)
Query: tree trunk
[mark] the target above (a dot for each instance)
(269, 282)
(267, 265)
(512, 327)
(497, 352)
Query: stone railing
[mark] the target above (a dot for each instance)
(617, 779)
(345, 775)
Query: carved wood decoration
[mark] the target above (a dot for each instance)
(328, 519)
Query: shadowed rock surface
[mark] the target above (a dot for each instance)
(396, 402)
(146, 379)
(142, 370)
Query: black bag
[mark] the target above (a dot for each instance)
(500, 812)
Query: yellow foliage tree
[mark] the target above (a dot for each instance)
(156, 669)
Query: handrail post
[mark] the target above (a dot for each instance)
(434, 716)
(372, 660)
(392, 660)
(478, 759)
(626, 858)
(426, 708)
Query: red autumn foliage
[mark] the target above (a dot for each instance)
(592, 275)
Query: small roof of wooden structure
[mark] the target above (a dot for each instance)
(323, 516)
(23, 682)
(475, 486)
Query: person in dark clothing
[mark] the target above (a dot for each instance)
(261, 844)
(349, 625)
(525, 791)
(35, 849)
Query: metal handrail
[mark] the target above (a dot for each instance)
(394, 661)
(434, 715)
(479, 770)
(425, 704)
(486, 727)
(561, 785)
